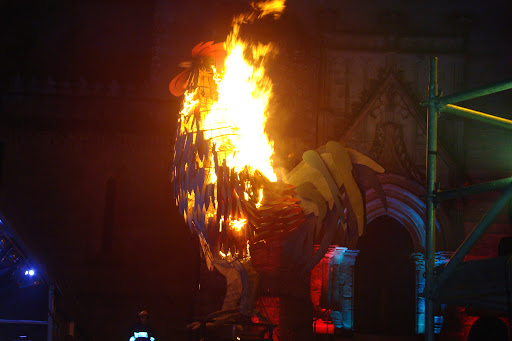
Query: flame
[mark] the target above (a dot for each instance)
(236, 122)
(233, 118)
(189, 102)
(224, 255)
(260, 198)
(237, 224)
(269, 7)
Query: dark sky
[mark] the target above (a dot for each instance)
(112, 39)
(97, 40)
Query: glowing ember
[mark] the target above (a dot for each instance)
(237, 224)
(260, 198)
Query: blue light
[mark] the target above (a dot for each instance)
(140, 334)
(144, 335)
(30, 272)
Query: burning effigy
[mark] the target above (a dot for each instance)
(224, 182)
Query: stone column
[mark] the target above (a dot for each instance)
(341, 298)
(321, 278)
(441, 258)
(419, 266)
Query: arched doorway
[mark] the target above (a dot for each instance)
(384, 293)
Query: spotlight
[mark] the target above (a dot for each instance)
(27, 277)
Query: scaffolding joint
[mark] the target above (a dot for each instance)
(434, 196)
(435, 101)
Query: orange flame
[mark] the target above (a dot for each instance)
(237, 120)
(269, 7)
(233, 120)
(235, 123)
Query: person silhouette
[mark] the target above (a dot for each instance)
(142, 331)
(488, 328)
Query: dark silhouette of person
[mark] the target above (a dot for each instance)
(142, 331)
(488, 328)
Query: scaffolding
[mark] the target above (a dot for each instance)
(437, 104)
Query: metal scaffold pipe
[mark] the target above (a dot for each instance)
(444, 104)
(477, 232)
(431, 192)
(478, 116)
(474, 93)
(496, 185)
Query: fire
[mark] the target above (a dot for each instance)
(270, 7)
(226, 109)
(237, 224)
(236, 122)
